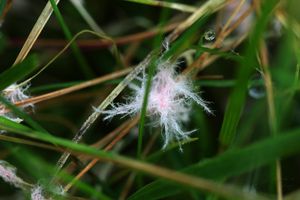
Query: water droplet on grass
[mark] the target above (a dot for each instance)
(256, 87)
(209, 35)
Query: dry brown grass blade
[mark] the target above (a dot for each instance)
(58, 93)
(206, 9)
(233, 15)
(109, 137)
(172, 5)
(93, 117)
(202, 62)
(132, 176)
(127, 186)
(99, 145)
(35, 32)
(77, 87)
(96, 43)
(264, 63)
(223, 190)
(288, 22)
(123, 133)
(225, 28)
(226, 191)
(5, 10)
(264, 66)
(92, 163)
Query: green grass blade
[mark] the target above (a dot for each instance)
(217, 83)
(151, 72)
(228, 192)
(186, 39)
(152, 68)
(18, 72)
(237, 98)
(40, 170)
(232, 163)
(21, 114)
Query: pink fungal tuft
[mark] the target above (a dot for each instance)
(14, 93)
(8, 174)
(37, 193)
(169, 101)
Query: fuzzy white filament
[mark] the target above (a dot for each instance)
(37, 193)
(8, 174)
(169, 102)
(14, 93)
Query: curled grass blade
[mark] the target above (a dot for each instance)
(66, 47)
(81, 60)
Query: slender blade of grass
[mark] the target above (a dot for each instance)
(152, 68)
(18, 72)
(231, 163)
(237, 98)
(35, 32)
(228, 192)
(176, 6)
(21, 114)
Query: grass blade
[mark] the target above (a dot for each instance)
(228, 192)
(237, 98)
(18, 72)
(35, 32)
(175, 6)
(232, 163)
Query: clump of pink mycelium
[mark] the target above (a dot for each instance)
(37, 193)
(8, 174)
(14, 93)
(169, 102)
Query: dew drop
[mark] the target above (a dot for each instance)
(256, 87)
(209, 35)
